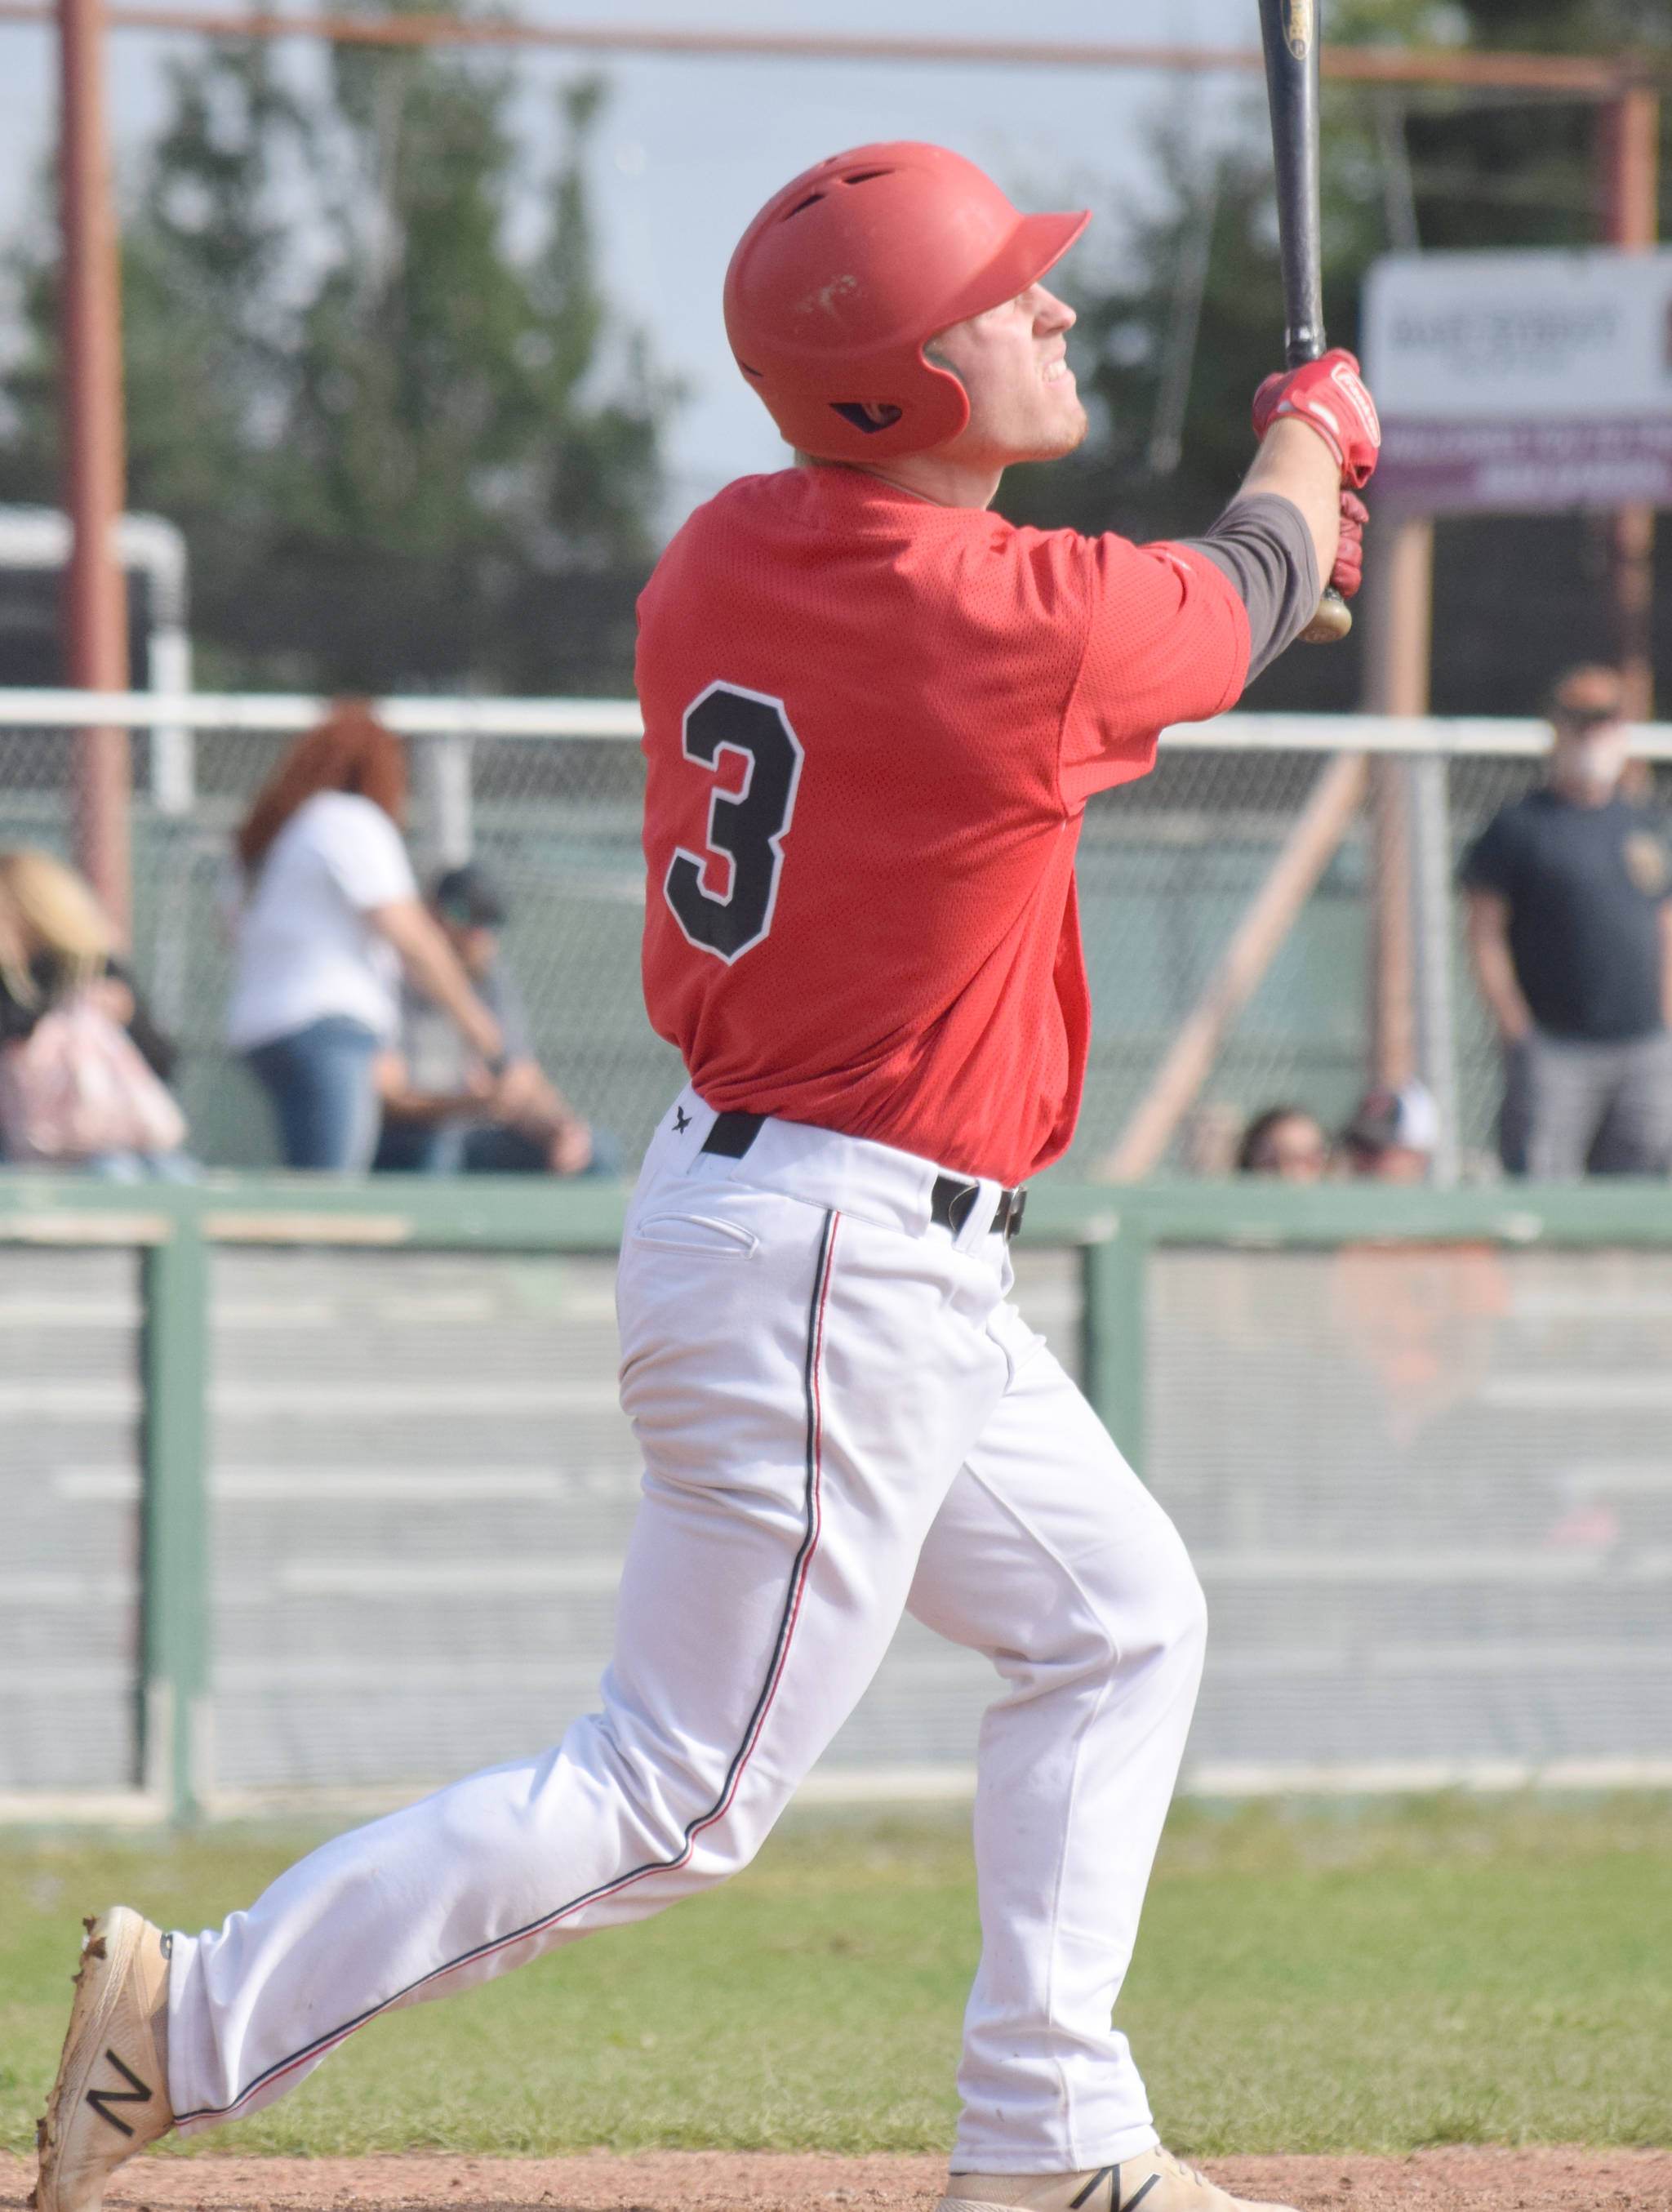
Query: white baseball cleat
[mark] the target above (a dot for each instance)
(110, 2097)
(1155, 2178)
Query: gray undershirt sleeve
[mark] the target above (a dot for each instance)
(1262, 544)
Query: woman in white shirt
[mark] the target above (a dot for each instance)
(328, 915)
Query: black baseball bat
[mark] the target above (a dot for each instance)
(1289, 32)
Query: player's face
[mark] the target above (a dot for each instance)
(1012, 362)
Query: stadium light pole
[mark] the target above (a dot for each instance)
(95, 599)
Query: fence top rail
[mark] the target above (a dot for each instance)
(1458, 736)
(1257, 1213)
(279, 712)
(511, 1214)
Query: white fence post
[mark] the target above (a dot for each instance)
(443, 798)
(174, 747)
(1431, 898)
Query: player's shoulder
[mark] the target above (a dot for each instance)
(1102, 553)
(1104, 576)
(746, 518)
(778, 499)
(832, 502)
(837, 529)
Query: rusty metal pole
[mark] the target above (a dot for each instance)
(96, 601)
(1398, 615)
(1628, 178)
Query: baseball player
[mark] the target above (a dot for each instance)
(874, 714)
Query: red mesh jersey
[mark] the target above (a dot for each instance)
(871, 726)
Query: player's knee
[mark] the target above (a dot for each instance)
(731, 1844)
(1181, 1607)
(1167, 1627)
(682, 1812)
(1189, 1606)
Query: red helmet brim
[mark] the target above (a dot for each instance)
(1036, 245)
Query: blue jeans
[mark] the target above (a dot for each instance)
(144, 1167)
(478, 1148)
(319, 1080)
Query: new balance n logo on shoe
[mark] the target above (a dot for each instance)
(135, 2094)
(1112, 2175)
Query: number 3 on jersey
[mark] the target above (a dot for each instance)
(746, 829)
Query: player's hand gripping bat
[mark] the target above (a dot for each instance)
(1289, 31)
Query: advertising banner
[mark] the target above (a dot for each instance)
(1522, 380)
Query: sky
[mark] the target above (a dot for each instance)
(689, 148)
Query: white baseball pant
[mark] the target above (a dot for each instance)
(841, 1417)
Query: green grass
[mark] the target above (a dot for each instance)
(1443, 1972)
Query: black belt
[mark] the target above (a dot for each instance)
(950, 1201)
(732, 1135)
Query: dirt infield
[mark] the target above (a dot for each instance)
(1546, 2180)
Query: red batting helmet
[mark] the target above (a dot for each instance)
(843, 277)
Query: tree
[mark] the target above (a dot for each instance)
(385, 457)
(204, 341)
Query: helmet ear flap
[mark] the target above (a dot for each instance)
(935, 408)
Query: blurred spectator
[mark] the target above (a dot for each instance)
(1284, 1141)
(1570, 934)
(327, 915)
(1392, 1134)
(83, 1068)
(443, 1112)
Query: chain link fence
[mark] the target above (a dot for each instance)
(555, 819)
(1170, 865)
(548, 795)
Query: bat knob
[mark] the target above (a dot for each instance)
(1332, 622)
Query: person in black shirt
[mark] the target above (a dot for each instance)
(1570, 936)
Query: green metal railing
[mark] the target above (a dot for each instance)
(1115, 1230)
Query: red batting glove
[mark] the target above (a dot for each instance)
(1348, 571)
(1329, 394)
